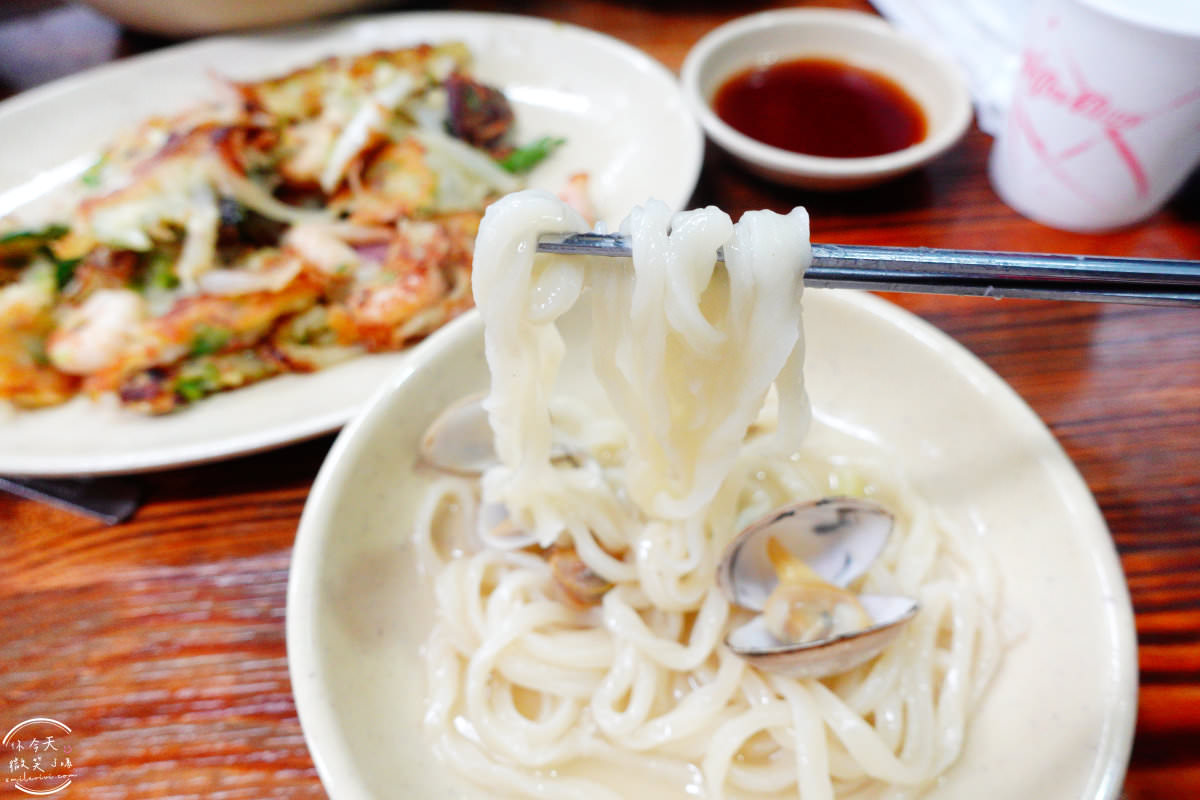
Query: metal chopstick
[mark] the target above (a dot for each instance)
(964, 272)
(109, 499)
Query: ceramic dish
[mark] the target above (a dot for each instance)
(861, 40)
(189, 18)
(560, 78)
(1057, 721)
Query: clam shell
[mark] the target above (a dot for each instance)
(459, 440)
(497, 530)
(838, 537)
(823, 657)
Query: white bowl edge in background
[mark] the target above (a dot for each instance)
(191, 18)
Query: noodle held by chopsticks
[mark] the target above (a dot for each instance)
(688, 421)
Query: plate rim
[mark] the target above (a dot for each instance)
(346, 32)
(304, 658)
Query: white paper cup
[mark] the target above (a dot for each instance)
(1104, 124)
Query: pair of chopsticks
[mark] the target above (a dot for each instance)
(1150, 281)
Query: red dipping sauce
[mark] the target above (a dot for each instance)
(821, 107)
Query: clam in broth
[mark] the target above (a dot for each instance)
(793, 567)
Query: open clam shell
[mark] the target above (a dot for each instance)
(839, 538)
(460, 439)
(829, 656)
(497, 530)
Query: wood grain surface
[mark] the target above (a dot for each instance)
(161, 641)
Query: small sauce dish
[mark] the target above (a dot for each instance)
(781, 53)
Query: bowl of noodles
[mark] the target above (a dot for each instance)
(638, 419)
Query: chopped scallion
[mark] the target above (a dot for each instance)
(526, 158)
(208, 340)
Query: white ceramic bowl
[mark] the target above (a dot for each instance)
(199, 17)
(862, 40)
(1058, 718)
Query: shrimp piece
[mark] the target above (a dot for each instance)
(304, 147)
(411, 281)
(320, 246)
(396, 182)
(576, 194)
(95, 335)
(377, 312)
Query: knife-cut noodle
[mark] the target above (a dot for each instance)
(643, 413)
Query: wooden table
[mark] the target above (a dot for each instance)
(161, 641)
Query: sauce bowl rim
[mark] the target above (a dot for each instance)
(939, 137)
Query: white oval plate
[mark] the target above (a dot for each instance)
(1057, 722)
(621, 112)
